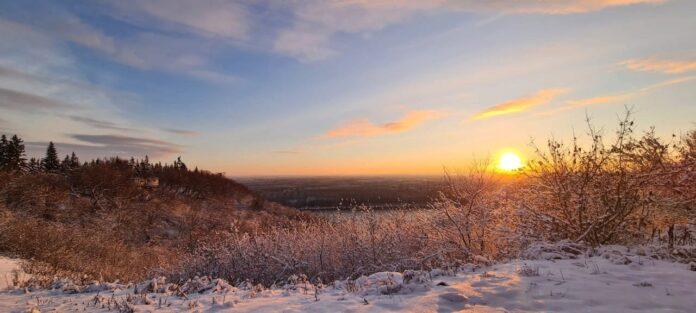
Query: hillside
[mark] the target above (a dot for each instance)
(120, 219)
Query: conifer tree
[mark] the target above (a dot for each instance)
(50, 162)
(4, 144)
(34, 166)
(74, 161)
(14, 155)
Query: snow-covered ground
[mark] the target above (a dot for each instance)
(613, 280)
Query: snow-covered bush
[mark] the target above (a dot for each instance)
(608, 193)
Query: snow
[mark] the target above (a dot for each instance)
(612, 279)
(8, 267)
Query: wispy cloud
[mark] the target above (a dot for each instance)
(98, 123)
(211, 18)
(661, 65)
(520, 104)
(546, 7)
(316, 22)
(183, 132)
(141, 50)
(365, 128)
(125, 146)
(22, 101)
(614, 98)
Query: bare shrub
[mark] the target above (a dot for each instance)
(604, 193)
(94, 253)
(347, 245)
(466, 217)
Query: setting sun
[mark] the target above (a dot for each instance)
(509, 161)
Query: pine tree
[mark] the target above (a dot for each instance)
(50, 162)
(74, 161)
(4, 144)
(34, 166)
(65, 164)
(14, 155)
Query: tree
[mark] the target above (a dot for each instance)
(3, 151)
(50, 162)
(74, 161)
(34, 166)
(14, 154)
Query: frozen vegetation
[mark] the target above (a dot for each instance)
(563, 277)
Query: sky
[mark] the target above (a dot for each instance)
(354, 87)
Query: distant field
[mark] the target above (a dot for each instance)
(324, 193)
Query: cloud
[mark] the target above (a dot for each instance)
(183, 132)
(98, 123)
(521, 104)
(545, 7)
(299, 29)
(662, 66)
(624, 96)
(365, 128)
(316, 22)
(96, 146)
(211, 18)
(141, 50)
(597, 100)
(22, 101)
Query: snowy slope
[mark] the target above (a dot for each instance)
(611, 282)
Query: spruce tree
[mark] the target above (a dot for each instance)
(34, 166)
(4, 144)
(14, 155)
(50, 162)
(74, 161)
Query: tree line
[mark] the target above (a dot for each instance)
(103, 172)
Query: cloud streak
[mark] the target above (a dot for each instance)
(98, 123)
(26, 102)
(99, 146)
(183, 132)
(545, 7)
(316, 22)
(365, 128)
(625, 96)
(520, 104)
(660, 65)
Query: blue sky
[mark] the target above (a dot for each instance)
(337, 87)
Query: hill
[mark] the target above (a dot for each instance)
(120, 219)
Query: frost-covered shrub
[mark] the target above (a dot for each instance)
(346, 245)
(602, 193)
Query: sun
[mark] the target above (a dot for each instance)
(509, 161)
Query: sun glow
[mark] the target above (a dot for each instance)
(509, 161)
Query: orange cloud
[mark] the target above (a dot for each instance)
(365, 128)
(520, 104)
(663, 66)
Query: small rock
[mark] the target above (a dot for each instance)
(442, 283)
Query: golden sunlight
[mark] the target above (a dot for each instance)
(509, 161)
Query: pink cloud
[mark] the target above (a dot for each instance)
(520, 104)
(365, 128)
